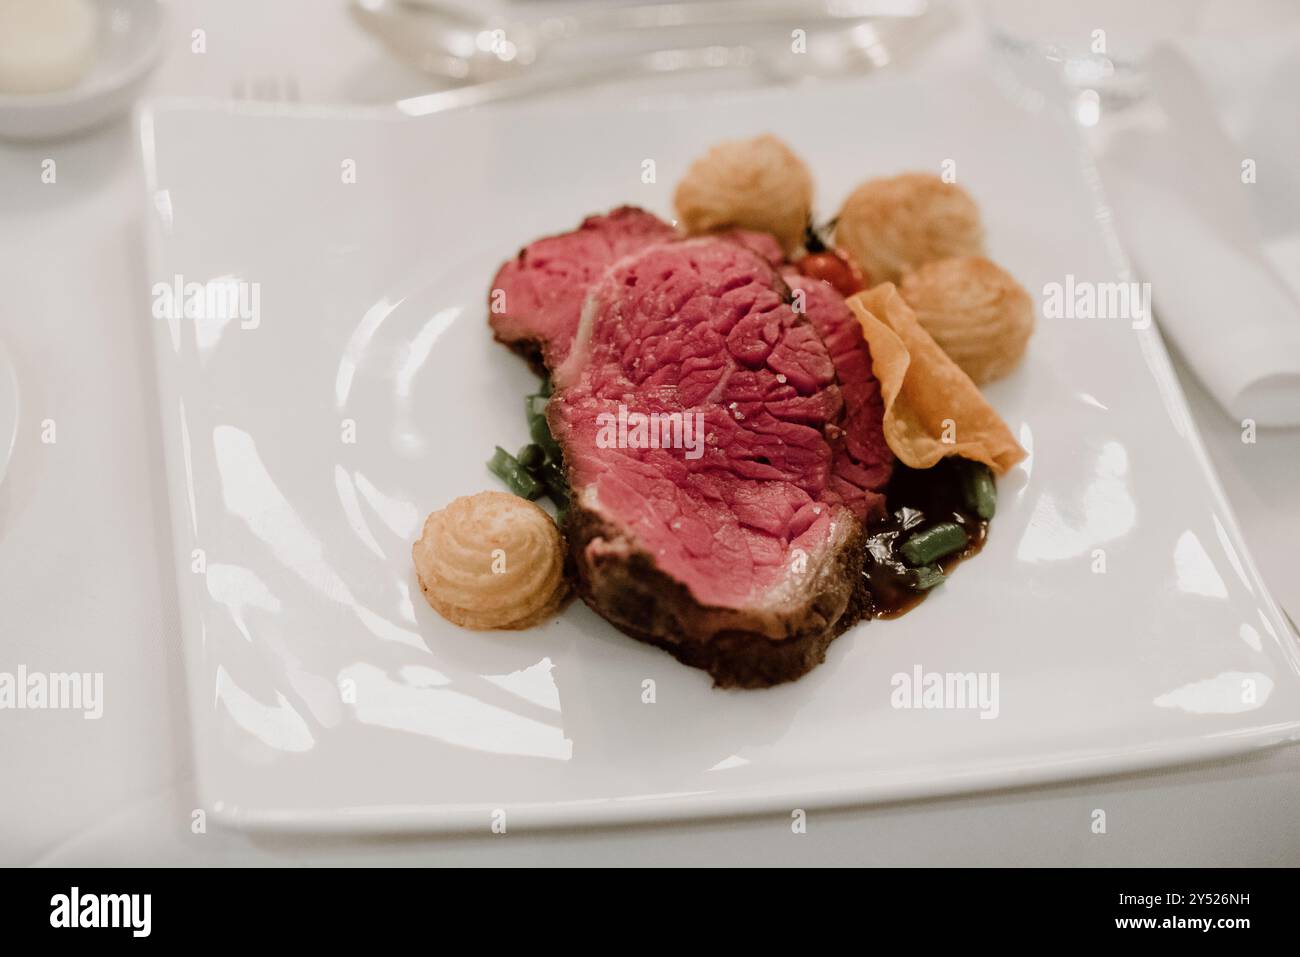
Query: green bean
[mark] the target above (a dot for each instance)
(538, 468)
(978, 490)
(535, 407)
(541, 434)
(551, 475)
(926, 577)
(539, 429)
(558, 495)
(932, 543)
(507, 468)
(531, 456)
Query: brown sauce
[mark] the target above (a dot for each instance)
(915, 499)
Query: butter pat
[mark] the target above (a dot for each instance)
(45, 45)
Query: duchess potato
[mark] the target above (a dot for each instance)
(893, 225)
(757, 184)
(975, 310)
(491, 560)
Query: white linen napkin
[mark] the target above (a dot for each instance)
(1222, 255)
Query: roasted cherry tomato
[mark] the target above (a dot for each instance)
(834, 268)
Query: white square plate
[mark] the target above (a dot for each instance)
(305, 448)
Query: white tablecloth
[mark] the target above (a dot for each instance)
(85, 583)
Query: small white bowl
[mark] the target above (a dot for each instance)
(126, 50)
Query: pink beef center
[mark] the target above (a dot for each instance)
(538, 296)
(862, 462)
(697, 407)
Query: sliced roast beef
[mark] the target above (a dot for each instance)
(862, 462)
(536, 298)
(764, 244)
(735, 543)
(699, 416)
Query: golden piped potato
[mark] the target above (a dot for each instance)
(893, 225)
(747, 184)
(975, 310)
(491, 560)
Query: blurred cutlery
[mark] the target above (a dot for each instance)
(450, 44)
(857, 49)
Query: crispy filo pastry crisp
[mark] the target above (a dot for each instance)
(932, 408)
